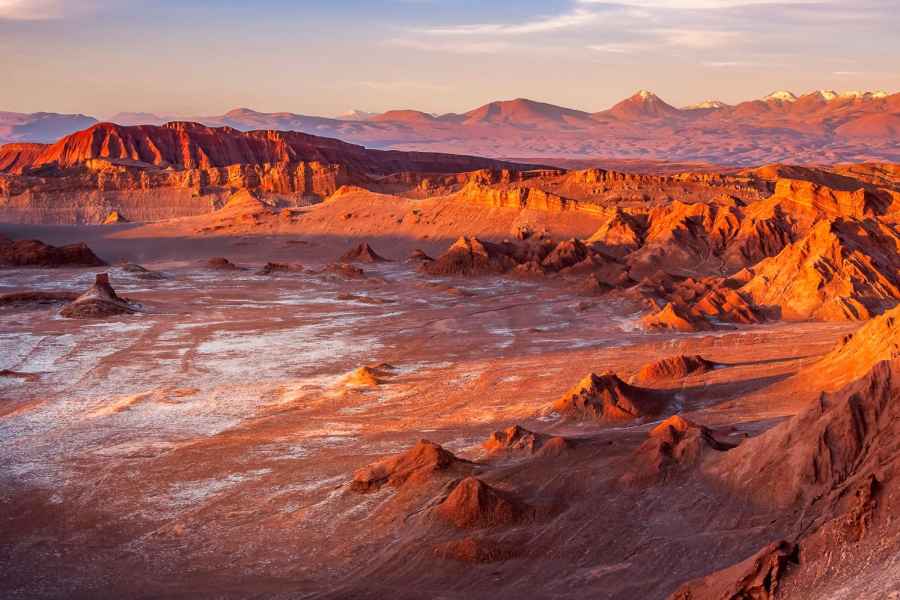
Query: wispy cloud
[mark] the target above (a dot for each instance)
(575, 18)
(703, 4)
(700, 39)
(453, 47)
(620, 48)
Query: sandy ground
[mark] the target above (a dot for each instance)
(203, 447)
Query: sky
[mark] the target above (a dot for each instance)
(325, 57)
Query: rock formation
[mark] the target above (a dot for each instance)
(471, 256)
(33, 253)
(858, 353)
(220, 263)
(757, 578)
(673, 368)
(841, 270)
(517, 440)
(676, 444)
(423, 462)
(473, 503)
(608, 398)
(98, 302)
(674, 319)
(362, 253)
(114, 217)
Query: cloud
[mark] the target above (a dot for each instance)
(620, 48)
(411, 85)
(700, 39)
(575, 18)
(701, 4)
(469, 47)
(30, 10)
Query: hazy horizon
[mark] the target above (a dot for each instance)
(196, 58)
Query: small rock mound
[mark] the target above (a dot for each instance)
(608, 398)
(343, 270)
(419, 256)
(414, 467)
(471, 256)
(98, 302)
(362, 253)
(114, 217)
(473, 503)
(673, 319)
(477, 550)
(566, 254)
(35, 298)
(272, 268)
(220, 263)
(676, 443)
(757, 578)
(141, 272)
(518, 440)
(365, 377)
(676, 367)
(34, 253)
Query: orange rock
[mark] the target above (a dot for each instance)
(418, 465)
(33, 253)
(676, 367)
(758, 577)
(608, 398)
(473, 503)
(675, 319)
(99, 301)
(518, 440)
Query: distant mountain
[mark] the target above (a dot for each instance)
(139, 118)
(40, 127)
(528, 113)
(707, 105)
(821, 126)
(355, 115)
(643, 105)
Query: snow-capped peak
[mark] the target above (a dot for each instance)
(782, 96)
(828, 95)
(645, 94)
(706, 104)
(355, 115)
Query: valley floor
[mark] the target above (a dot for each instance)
(203, 448)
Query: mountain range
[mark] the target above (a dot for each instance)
(818, 127)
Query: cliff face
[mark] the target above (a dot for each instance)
(181, 169)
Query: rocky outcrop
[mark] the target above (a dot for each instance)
(757, 578)
(841, 270)
(608, 398)
(834, 444)
(471, 256)
(34, 253)
(475, 504)
(674, 445)
(182, 168)
(858, 353)
(517, 440)
(114, 217)
(98, 302)
(220, 263)
(674, 368)
(671, 318)
(35, 299)
(362, 253)
(419, 465)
